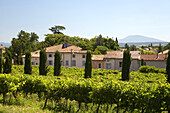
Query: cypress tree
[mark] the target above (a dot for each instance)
(142, 62)
(42, 65)
(0, 63)
(88, 65)
(6, 68)
(168, 67)
(126, 65)
(57, 63)
(28, 65)
(8, 62)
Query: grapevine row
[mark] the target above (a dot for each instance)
(126, 96)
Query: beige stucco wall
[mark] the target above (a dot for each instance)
(67, 57)
(35, 60)
(135, 64)
(157, 64)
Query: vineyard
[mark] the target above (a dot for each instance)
(70, 92)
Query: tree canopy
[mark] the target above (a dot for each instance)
(24, 41)
(57, 29)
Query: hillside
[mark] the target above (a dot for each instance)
(139, 39)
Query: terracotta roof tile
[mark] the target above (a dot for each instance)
(152, 57)
(52, 49)
(119, 54)
(98, 57)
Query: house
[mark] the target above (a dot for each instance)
(74, 56)
(114, 59)
(157, 60)
(71, 56)
(98, 62)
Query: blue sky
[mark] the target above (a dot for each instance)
(86, 18)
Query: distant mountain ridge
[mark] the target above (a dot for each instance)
(138, 39)
(5, 44)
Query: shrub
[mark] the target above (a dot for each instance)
(151, 69)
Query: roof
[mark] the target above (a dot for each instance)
(60, 48)
(53, 49)
(164, 52)
(34, 54)
(152, 57)
(119, 54)
(98, 57)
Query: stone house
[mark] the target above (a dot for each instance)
(157, 60)
(98, 62)
(71, 56)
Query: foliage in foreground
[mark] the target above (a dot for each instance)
(70, 92)
(151, 69)
(168, 67)
(127, 96)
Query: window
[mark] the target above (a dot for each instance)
(62, 63)
(120, 64)
(67, 63)
(33, 63)
(107, 60)
(50, 55)
(83, 63)
(36, 63)
(74, 55)
(99, 65)
(50, 62)
(108, 65)
(74, 63)
(83, 56)
(35, 58)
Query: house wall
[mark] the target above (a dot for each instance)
(157, 64)
(35, 60)
(68, 57)
(115, 64)
(95, 64)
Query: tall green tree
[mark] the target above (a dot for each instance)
(126, 65)
(168, 66)
(24, 41)
(160, 48)
(28, 65)
(102, 49)
(133, 48)
(42, 65)
(57, 29)
(88, 65)
(1, 63)
(126, 46)
(142, 62)
(8, 62)
(57, 63)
